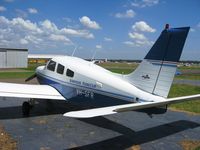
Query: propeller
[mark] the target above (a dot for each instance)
(31, 77)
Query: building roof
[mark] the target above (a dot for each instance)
(12, 49)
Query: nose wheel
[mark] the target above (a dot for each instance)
(26, 107)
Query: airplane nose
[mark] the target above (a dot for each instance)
(39, 69)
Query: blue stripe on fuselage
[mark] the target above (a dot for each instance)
(62, 87)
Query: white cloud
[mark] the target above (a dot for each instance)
(144, 3)
(77, 33)
(19, 32)
(86, 21)
(142, 26)
(98, 46)
(32, 11)
(192, 29)
(137, 36)
(63, 38)
(23, 41)
(138, 43)
(107, 39)
(48, 25)
(129, 43)
(139, 40)
(128, 14)
(2, 8)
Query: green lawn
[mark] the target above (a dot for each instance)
(184, 90)
(189, 76)
(8, 75)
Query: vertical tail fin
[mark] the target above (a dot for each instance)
(156, 72)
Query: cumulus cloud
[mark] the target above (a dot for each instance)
(86, 21)
(107, 39)
(144, 3)
(129, 43)
(32, 11)
(2, 8)
(142, 26)
(77, 33)
(139, 43)
(128, 14)
(23, 41)
(17, 32)
(137, 36)
(138, 40)
(55, 37)
(98, 46)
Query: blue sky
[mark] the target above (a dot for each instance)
(117, 29)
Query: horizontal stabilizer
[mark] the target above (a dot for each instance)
(29, 91)
(127, 107)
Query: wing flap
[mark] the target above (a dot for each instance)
(29, 91)
(127, 107)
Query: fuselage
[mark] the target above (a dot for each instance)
(70, 75)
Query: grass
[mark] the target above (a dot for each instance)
(6, 141)
(183, 90)
(189, 77)
(11, 75)
(195, 67)
(198, 148)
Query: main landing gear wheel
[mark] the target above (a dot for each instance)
(27, 106)
(26, 109)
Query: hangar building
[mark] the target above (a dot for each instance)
(13, 58)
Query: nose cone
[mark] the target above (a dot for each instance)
(40, 69)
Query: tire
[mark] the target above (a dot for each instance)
(26, 109)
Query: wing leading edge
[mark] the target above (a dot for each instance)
(29, 91)
(127, 107)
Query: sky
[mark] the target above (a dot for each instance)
(112, 29)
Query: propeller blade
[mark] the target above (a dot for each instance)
(31, 77)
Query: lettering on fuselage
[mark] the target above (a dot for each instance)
(85, 93)
(85, 84)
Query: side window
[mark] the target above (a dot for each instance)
(70, 73)
(60, 69)
(51, 66)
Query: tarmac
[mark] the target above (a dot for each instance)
(47, 129)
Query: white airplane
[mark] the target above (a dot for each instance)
(65, 77)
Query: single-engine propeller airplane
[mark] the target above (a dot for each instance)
(148, 86)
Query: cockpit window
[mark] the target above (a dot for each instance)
(52, 65)
(70, 73)
(60, 69)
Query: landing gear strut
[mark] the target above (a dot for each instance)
(26, 107)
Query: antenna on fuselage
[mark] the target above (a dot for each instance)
(74, 50)
(94, 54)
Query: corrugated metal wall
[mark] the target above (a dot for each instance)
(13, 59)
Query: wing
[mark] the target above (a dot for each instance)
(29, 91)
(127, 107)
